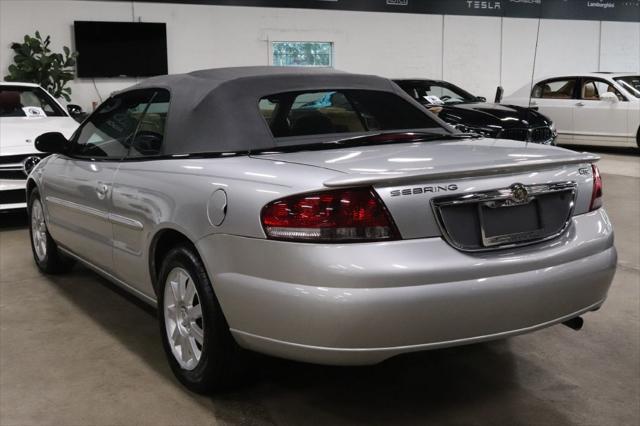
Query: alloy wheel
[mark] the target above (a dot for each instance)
(38, 230)
(184, 324)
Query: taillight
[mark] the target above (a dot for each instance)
(344, 215)
(596, 193)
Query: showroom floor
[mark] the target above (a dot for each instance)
(74, 350)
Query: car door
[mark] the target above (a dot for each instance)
(137, 207)
(556, 98)
(78, 186)
(597, 120)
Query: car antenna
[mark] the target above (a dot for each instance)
(533, 71)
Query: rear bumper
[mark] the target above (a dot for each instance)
(363, 303)
(12, 194)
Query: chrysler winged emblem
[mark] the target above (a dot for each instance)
(519, 193)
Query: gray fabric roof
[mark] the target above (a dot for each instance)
(216, 110)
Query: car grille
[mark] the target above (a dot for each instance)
(12, 166)
(507, 217)
(536, 134)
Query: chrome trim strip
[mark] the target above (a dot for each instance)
(503, 194)
(113, 279)
(116, 219)
(13, 167)
(78, 207)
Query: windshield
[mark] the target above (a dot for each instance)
(436, 93)
(312, 113)
(631, 83)
(21, 101)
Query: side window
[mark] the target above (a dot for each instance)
(592, 89)
(149, 136)
(555, 89)
(109, 131)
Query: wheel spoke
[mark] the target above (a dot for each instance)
(190, 292)
(174, 290)
(175, 335)
(182, 287)
(186, 349)
(197, 333)
(195, 312)
(193, 348)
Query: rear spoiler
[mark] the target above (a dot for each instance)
(459, 172)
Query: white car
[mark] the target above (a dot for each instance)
(26, 111)
(597, 108)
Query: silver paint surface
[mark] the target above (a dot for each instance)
(340, 303)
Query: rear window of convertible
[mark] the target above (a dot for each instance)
(340, 111)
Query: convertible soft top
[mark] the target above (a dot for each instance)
(216, 110)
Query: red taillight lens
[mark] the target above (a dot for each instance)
(344, 215)
(596, 194)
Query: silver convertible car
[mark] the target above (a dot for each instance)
(318, 216)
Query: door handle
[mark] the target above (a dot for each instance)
(102, 190)
(580, 104)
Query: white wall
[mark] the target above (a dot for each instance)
(477, 53)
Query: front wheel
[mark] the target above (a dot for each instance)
(195, 335)
(45, 250)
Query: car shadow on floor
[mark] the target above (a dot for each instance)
(471, 381)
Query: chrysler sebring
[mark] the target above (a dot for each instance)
(318, 216)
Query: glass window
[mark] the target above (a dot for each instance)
(150, 133)
(16, 101)
(555, 89)
(302, 54)
(108, 132)
(631, 83)
(340, 111)
(592, 89)
(437, 93)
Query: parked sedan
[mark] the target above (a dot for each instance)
(469, 113)
(317, 216)
(26, 111)
(589, 109)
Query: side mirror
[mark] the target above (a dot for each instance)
(609, 97)
(76, 112)
(52, 143)
(481, 99)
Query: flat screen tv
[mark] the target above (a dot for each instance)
(120, 49)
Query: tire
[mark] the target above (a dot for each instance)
(45, 250)
(184, 290)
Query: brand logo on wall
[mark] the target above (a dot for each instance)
(601, 4)
(479, 4)
(398, 2)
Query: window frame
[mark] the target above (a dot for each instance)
(574, 94)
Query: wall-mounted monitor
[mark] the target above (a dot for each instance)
(120, 49)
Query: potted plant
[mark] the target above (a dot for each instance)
(34, 62)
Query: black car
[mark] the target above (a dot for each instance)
(474, 114)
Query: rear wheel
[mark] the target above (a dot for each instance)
(45, 250)
(195, 335)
